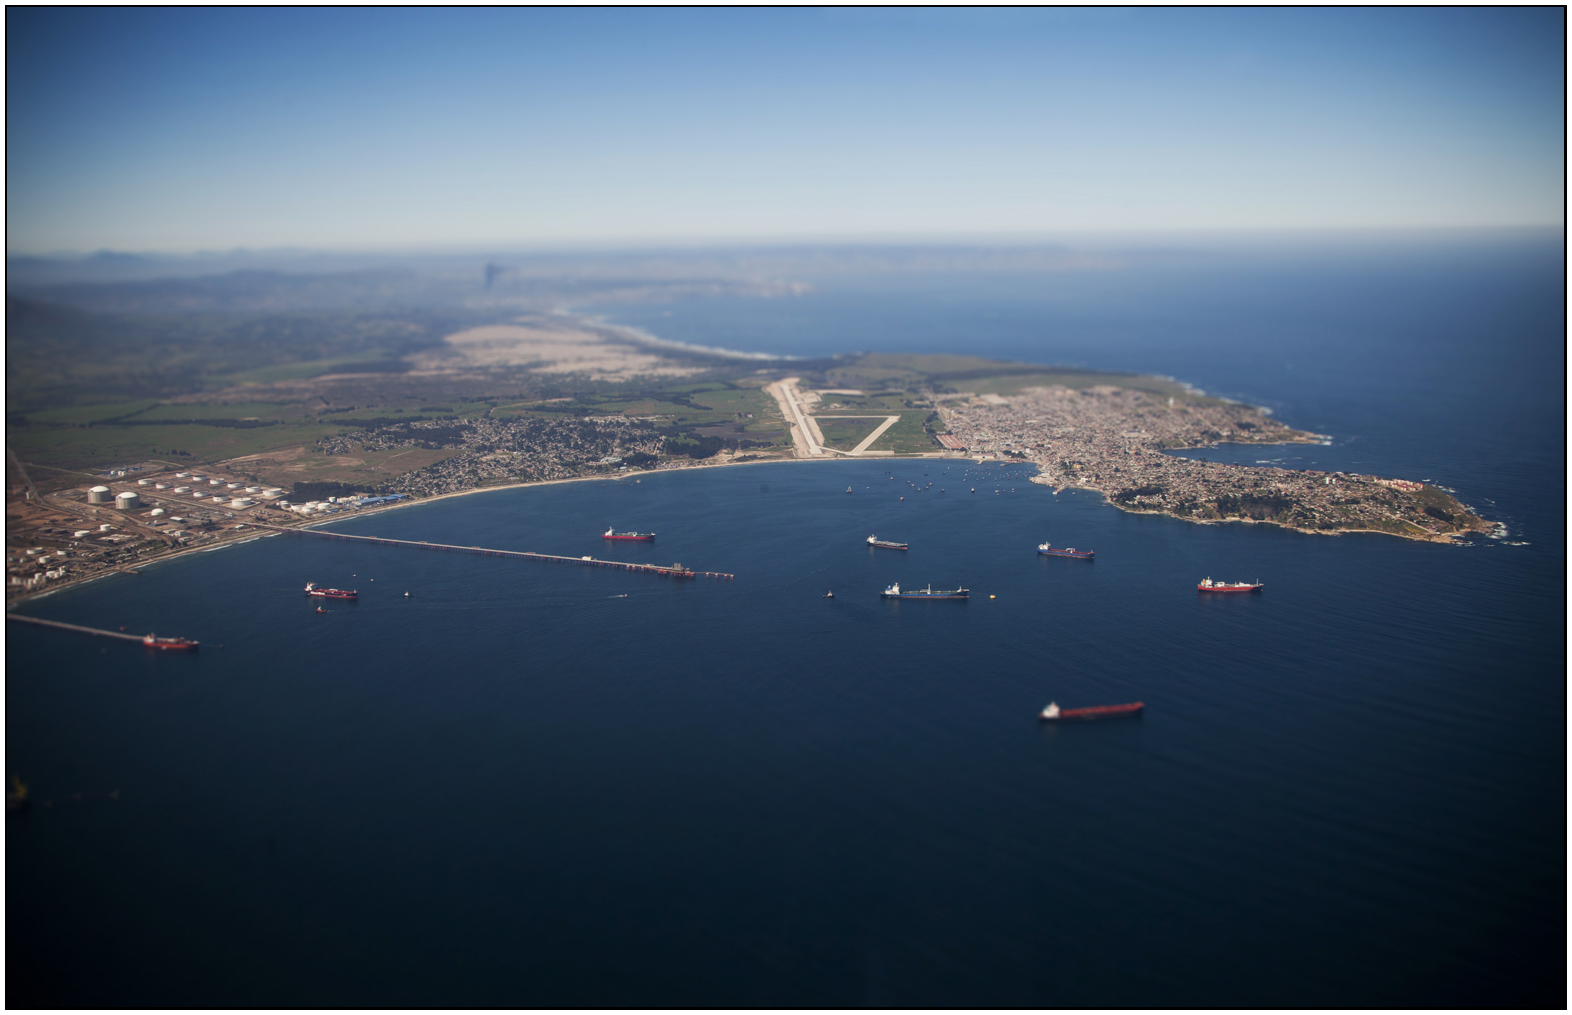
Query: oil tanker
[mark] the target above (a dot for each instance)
(312, 590)
(894, 592)
(643, 537)
(170, 644)
(873, 541)
(1068, 551)
(1207, 585)
(1053, 713)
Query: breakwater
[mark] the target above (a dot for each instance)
(673, 571)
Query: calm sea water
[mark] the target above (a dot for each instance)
(545, 785)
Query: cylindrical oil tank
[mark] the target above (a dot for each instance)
(128, 500)
(99, 495)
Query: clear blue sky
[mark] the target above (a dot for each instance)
(179, 129)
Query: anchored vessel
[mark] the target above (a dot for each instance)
(312, 590)
(1207, 585)
(1068, 551)
(874, 541)
(894, 592)
(1053, 713)
(643, 537)
(170, 644)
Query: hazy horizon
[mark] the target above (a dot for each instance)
(416, 131)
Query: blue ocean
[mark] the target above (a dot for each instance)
(544, 785)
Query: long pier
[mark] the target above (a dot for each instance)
(79, 629)
(674, 571)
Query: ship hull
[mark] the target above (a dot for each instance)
(889, 546)
(171, 646)
(1097, 712)
(1214, 588)
(631, 539)
(327, 594)
(919, 595)
(1088, 555)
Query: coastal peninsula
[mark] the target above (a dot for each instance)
(1113, 440)
(556, 399)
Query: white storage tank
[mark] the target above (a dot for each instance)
(144, 482)
(241, 502)
(182, 475)
(272, 492)
(99, 495)
(106, 528)
(156, 512)
(127, 501)
(253, 489)
(182, 489)
(160, 486)
(81, 533)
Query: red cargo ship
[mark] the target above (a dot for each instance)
(1207, 585)
(643, 537)
(170, 644)
(1053, 713)
(312, 590)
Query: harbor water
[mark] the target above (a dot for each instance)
(545, 785)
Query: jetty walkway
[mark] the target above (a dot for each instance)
(674, 571)
(78, 628)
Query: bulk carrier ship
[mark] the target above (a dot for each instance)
(312, 590)
(171, 644)
(643, 537)
(1207, 585)
(1068, 551)
(885, 543)
(894, 592)
(1053, 713)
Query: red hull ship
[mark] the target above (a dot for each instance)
(642, 537)
(1207, 585)
(312, 590)
(1053, 713)
(170, 644)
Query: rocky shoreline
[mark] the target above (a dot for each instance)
(1114, 441)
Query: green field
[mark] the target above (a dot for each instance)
(907, 437)
(81, 415)
(844, 433)
(82, 447)
(704, 404)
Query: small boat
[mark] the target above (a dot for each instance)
(406, 595)
(170, 644)
(1053, 713)
(312, 590)
(1207, 585)
(321, 610)
(885, 543)
(848, 489)
(828, 595)
(1065, 551)
(643, 537)
(894, 592)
